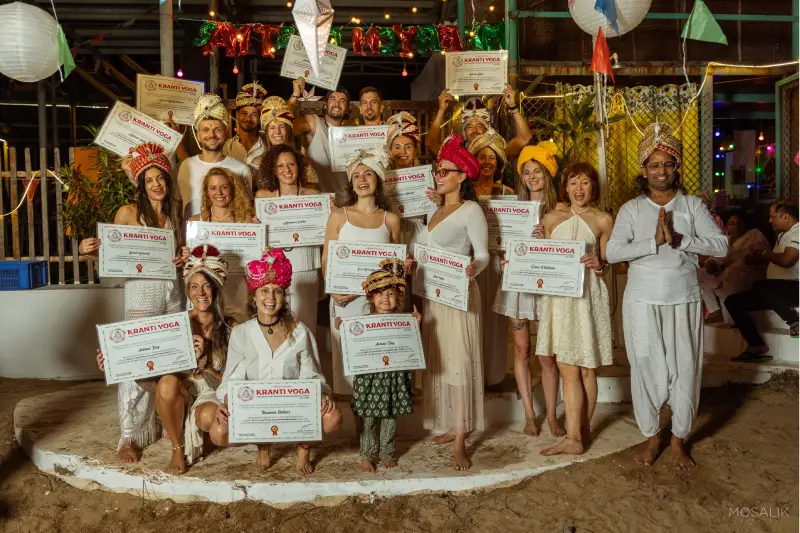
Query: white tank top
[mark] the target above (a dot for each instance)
(351, 233)
(329, 181)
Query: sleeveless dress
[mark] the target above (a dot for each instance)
(360, 306)
(329, 181)
(577, 330)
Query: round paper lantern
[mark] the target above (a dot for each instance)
(29, 43)
(629, 14)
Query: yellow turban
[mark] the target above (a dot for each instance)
(544, 153)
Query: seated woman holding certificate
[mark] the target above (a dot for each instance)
(282, 172)
(577, 331)
(365, 218)
(151, 173)
(453, 380)
(272, 346)
(536, 166)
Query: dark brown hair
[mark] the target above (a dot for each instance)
(285, 314)
(366, 90)
(574, 170)
(169, 206)
(266, 171)
(380, 197)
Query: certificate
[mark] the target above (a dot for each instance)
(350, 263)
(136, 252)
(295, 220)
(296, 64)
(509, 219)
(405, 190)
(157, 96)
(441, 276)
(475, 73)
(345, 141)
(381, 343)
(126, 128)
(275, 411)
(238, 243)
(146, 347)
(543, 266)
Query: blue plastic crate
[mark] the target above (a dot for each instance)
(17, 275)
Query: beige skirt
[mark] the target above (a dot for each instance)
(453, 379)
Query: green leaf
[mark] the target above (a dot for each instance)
(546, 123)
(564, 127)
(616, 118)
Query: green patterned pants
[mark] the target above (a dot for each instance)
(369, 444)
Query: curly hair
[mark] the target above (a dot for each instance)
(267, 179)
(240, 203)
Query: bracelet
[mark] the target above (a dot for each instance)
(677, 238)
(602, 269)
(513, 107)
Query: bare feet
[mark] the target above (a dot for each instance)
(303, 467)
(460, 459)
(367, 465)
(680, 459)
(444, 439)
(129, 454)
(568, 445)
(556, 429)
(531, 428)
(649, 456)
(263, 459)
(389, 463)
(177, 464)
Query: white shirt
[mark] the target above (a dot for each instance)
(464, 231)
(662, 275)
(234, 148)
(787, 239)
(250, 357)
(190, 180)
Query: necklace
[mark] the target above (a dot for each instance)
(268, 326)
(218, 219)
(582, 211)
(366, 213)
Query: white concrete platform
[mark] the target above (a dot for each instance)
(72, 434)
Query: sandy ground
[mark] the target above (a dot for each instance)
(746, 443)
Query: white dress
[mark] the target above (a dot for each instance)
(577, 330)
(452, 339)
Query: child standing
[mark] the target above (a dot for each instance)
(379, 398)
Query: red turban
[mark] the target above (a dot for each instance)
(453, 150)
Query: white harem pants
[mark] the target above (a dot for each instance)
(665, 351)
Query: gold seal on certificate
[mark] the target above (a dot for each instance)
(345, 141)
(509, 219)
(136, 252)
(158, 96)
(543, 266)
(126, 128)
(146, 347)
(476, 73)
(296, 64)
(381, 343)
(275, 411)
(238, 243)
(441, 276)
(405, 190)
(295, 220)
(350, 263)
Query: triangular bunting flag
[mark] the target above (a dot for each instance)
(701, 25)
(601, 58)
(65, 57)
(609, 10)
(33, 186)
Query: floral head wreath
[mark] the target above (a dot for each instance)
(273, 267)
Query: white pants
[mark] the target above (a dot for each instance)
(665, 351)
(359, 307)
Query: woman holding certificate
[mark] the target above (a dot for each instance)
(453, 381)
(365, 218)
(536, 166)
(283, 173)
(151, 173)
(577, 331)
(272, 346)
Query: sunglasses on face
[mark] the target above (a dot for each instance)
(444, 172)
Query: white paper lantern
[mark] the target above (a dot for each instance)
(28, 42)
(314, 19)
(629, 14)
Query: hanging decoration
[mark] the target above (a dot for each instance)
(286, 32)
(701, 25)
(29, 49)
(449, 39)
(427, 39)
(371, 39)
(389, 41)
(314, 19)
(405, 36)
(601, 58)
(486, 37)
(268, 33)
(592, 14)
(335, 37)
(204, 33)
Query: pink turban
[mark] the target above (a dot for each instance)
(273, 267)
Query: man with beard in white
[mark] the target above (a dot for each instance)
(210, 129)
(247, 145)
(661, 233)
(315, 131)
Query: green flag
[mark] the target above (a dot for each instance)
(64, 53)
(701, 25)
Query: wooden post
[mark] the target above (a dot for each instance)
(45, 210)
(76, 261)
(59, 218)
(29, 205)
(14, 200)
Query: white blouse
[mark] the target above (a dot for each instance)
(250, 357)
(463, 232)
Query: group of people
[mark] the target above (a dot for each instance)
(263, 324)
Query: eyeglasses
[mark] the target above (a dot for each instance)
(655, 167)
(443, 172)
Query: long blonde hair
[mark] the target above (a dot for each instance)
(240, 203)
(549, 192)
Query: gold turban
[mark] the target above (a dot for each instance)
(659, 137)
(275, 108)
(251, 94)
(544, 153)
(490, 139)
(402, 123)
(210, 106)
